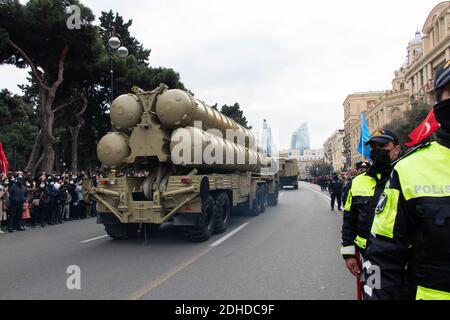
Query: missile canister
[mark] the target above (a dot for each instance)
(193, 147)
(126, 111)
(178, 109)
(113, 149)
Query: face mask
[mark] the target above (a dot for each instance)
(442, 113)
(380, 158)
(52, 183)
(42, 186)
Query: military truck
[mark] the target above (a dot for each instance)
(288, 173)
(196, 194)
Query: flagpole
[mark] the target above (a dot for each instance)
(362, 138)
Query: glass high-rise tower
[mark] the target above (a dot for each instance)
(300, 139)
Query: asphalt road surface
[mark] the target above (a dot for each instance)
(291, 252)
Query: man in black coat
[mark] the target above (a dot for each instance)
(335, 189)
(17, 197)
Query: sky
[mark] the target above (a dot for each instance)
(286, 61)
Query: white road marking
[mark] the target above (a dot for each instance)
(93, 239)
(232, 233)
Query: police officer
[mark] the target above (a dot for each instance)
(335, 189)
(361, 199)
(361, 167)
(410, 242)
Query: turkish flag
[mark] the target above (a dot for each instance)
(4, 165)
(424, 130)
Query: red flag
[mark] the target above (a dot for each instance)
(4, 165)
(424, 130)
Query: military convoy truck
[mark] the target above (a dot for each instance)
(196, 194)
(288, 173)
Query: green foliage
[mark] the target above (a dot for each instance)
(234, 112)
(18, 128)
(410, 121)
(321, 169)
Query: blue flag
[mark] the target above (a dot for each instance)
(364, 149)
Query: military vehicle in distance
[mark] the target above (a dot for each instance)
(198, 196)
(288, 173)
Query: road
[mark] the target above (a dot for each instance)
(289, 253)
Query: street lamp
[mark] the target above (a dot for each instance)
(114, 44)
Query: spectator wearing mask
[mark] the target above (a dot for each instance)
(60, 198)
(81, 203)
(41, 202)
(17, 197)
(74, 208)
(52, 209)
(67, 201)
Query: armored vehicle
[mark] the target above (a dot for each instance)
(288, 173)
(192, 172)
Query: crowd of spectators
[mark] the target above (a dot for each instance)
(45, 200)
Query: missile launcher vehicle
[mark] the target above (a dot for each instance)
(197, 166)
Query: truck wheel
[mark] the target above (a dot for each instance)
(273, 199)
(223, 212)
(263, 202)
(256, 204)
(205, 226)
(121, 231)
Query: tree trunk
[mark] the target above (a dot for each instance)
(38, 163)
(47, 141)
(34, 153)
(74, 132)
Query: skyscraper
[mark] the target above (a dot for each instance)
(266, 139)
(300, 139)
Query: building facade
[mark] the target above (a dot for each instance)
(334, 150)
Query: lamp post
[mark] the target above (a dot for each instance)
(114, 45)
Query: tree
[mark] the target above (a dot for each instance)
(234, 112)
(18, 122)
(36, 35)
(410, 120)
(321, 169)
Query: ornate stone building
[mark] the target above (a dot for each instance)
(426, 54)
